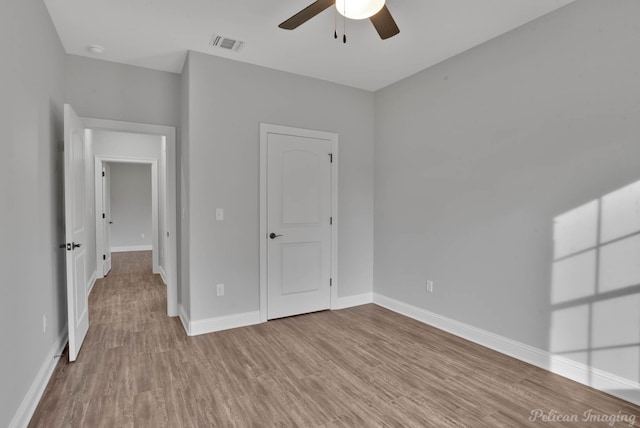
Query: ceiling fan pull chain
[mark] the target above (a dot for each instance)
(335, 23)
(344, 24)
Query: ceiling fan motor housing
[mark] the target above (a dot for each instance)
(359, 9)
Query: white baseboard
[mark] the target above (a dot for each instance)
(350, 301)
(34, 394)
(163, 274)
(210, 325)
(614, 385)
(223, 323)
(92, 282)
(131, 248)
(184, 318)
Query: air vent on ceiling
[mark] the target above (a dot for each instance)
(226, 43)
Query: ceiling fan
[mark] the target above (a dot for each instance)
(375, 10)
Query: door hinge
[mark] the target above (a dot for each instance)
(330, 282)
(103, 173)
(331, 157)
(330, 220)
(103, 216)
(104, 257)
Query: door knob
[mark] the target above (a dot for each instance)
(74, 245)
(273, 235)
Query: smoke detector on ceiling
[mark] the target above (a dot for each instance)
(225, 43)
(96, 49)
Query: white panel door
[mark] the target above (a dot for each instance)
(75, 230)
(298, 225)
(106, 217)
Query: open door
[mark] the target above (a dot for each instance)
(75, 230)
(106, 217)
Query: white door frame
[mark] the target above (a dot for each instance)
(265, 129)
(171, 248)
(103, 184)
(156, 228)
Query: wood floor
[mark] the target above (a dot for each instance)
(363, 366)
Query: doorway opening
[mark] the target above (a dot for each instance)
(121, 145)
(127, 203)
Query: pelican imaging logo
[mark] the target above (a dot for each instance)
(590, 417)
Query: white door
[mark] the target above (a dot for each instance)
(75, 230)
(298, 225)
(106, 217)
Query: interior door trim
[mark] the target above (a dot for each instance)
(265, 130)
(100, 161)
(171, 218)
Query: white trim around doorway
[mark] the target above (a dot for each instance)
(156, 228)
(171, 248)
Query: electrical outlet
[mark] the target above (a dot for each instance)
(429, 286)
(220, 289)
(44, 323)
(219, 214)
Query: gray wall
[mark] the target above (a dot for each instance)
(130, 205)
(226, 102)
(31, 211)
(481, 162)
(125, 144)
(108, 90)
(182, 151)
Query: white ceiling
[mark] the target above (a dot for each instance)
(157, 34)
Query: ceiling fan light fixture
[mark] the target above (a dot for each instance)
(359, 9)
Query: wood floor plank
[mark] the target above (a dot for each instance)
(150, 410)
(358, 367)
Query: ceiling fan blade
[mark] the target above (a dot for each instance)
(306, 14)
(384, 23)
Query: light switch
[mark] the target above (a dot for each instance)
(219, 214)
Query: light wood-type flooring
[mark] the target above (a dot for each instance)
(358, 367)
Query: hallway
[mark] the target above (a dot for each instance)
(128, 340)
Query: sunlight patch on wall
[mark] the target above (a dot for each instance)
(595, 284)
(574, 277)
(575, 230)
(620, 264)
(570, 329)
(621, 212)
